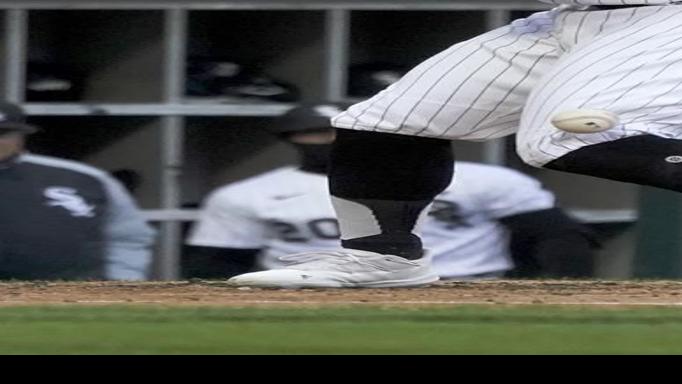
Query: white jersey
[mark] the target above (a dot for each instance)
(516, 78)
(289, 211)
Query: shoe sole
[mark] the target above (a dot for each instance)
(417, 282)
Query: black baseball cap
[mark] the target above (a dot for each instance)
(12, 118)
(307, 117)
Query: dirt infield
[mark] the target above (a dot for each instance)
(606, 293)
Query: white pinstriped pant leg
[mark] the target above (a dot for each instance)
(474, 90)
(630, 65)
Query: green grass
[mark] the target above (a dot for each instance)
(460, 330)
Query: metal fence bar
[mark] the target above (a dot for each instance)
(659, 235)
(274, 4)
(337, 52)
(589, 216)
(155, 109)
(16, 47)
(495, 151)
(172, 143)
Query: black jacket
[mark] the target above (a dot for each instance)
(64, 220)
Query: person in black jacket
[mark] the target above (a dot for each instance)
(63, 220)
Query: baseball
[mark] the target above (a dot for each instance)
(585, 121)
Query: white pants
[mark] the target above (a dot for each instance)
(514, 79)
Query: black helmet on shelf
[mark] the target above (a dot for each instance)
(230, 81)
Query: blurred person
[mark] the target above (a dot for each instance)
(498, 222)
(63, 220)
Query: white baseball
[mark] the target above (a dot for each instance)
(585, 121)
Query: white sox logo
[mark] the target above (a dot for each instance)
(68, 199)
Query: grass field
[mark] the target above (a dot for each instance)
(155, 329)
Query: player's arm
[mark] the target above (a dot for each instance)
(128, 239)
(544, 240)
(549, 243)
(225, 241)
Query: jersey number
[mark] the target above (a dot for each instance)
(325, 229)
(448, 213)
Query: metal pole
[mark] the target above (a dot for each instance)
(497, 18)
(16, 48)
(337, 47)
(659, 235)
(495, 151)
(172, 140)
(175, 36)
(426, 5)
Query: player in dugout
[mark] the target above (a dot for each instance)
(498, 222)
(63, 220)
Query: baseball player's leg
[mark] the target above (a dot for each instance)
(630, 69)
(474, 90)
(382, 184)
(645, 160)
(394, 157)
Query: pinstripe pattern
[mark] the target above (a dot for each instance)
(625, 60)
(429, 95)
(487, 87)
(450, 71)
(415, 77)
(622, 70)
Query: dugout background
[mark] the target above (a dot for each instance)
(133, 114)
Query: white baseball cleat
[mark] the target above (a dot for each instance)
(348, 268)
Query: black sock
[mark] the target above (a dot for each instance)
(645, 160)
(382, 184)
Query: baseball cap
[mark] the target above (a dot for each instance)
(12, 118)
(307, 117)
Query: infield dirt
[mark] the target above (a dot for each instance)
(216, 293)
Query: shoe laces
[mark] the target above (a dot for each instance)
(338, 258)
